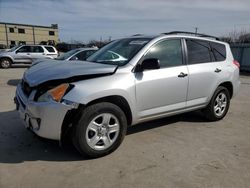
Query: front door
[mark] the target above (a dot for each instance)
(22, 55)
(162, 90)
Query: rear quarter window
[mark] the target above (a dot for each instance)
(50, 49)
(219, 51)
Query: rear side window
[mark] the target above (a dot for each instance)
(198, 51)
(219, 51)
(49, 48)
(37, 49)
(169, 52)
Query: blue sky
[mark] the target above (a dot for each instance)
(84, 20)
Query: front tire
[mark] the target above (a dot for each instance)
(5, 63)
(100, 130)
(219, 105)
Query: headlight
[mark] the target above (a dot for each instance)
(55, 94)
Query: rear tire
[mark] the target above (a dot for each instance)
(219, 105)
(5, 63)
(100, 130)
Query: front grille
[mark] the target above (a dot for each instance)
(26, 88)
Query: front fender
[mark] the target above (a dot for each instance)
(87, 91)
(6, 56)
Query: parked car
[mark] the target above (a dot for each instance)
(94, 102)
(26, 54)
(77, 54)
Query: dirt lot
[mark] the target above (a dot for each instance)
(181, 151)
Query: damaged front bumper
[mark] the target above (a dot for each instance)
(44, 118)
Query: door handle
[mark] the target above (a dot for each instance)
(28, 53)
(217, 70)
(182, 75)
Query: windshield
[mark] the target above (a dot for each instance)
(119, 52)
(67, 54)
(13, 49)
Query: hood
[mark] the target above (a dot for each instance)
(51, 70)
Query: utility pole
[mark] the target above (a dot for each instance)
(196, 29)
(6, 33)
(100, 42)
(34, 40)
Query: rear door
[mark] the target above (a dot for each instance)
(205, 66)
(37, 52)
(162, 90)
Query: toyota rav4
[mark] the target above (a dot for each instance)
(128, 81)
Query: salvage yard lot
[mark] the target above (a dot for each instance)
(180, 151)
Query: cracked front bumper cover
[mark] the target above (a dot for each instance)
(44, 118)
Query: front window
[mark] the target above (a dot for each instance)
(119, 52)
(24, 49)
(169, 52)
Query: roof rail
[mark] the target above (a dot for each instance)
(191, 33)
(137, 35)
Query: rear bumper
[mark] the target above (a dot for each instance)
(236, 82)
(43, 118)
(236, 87)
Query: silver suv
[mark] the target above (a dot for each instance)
(26, 54)
(129, 81)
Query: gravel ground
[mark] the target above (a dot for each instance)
(180, 151)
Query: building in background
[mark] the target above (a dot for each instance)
(12, 34)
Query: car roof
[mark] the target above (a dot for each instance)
(86, 49)
(36, 45)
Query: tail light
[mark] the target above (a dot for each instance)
(236, 63)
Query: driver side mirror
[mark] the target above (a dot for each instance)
(148, 64)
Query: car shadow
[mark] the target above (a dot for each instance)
(13, 82)
(18, 145)
(194, 117)
(20, 66)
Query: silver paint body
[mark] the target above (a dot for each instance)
(28, 57)
(150, 94)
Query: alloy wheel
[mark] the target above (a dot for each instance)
(220, 104)
(5, 63)
(102, 131)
